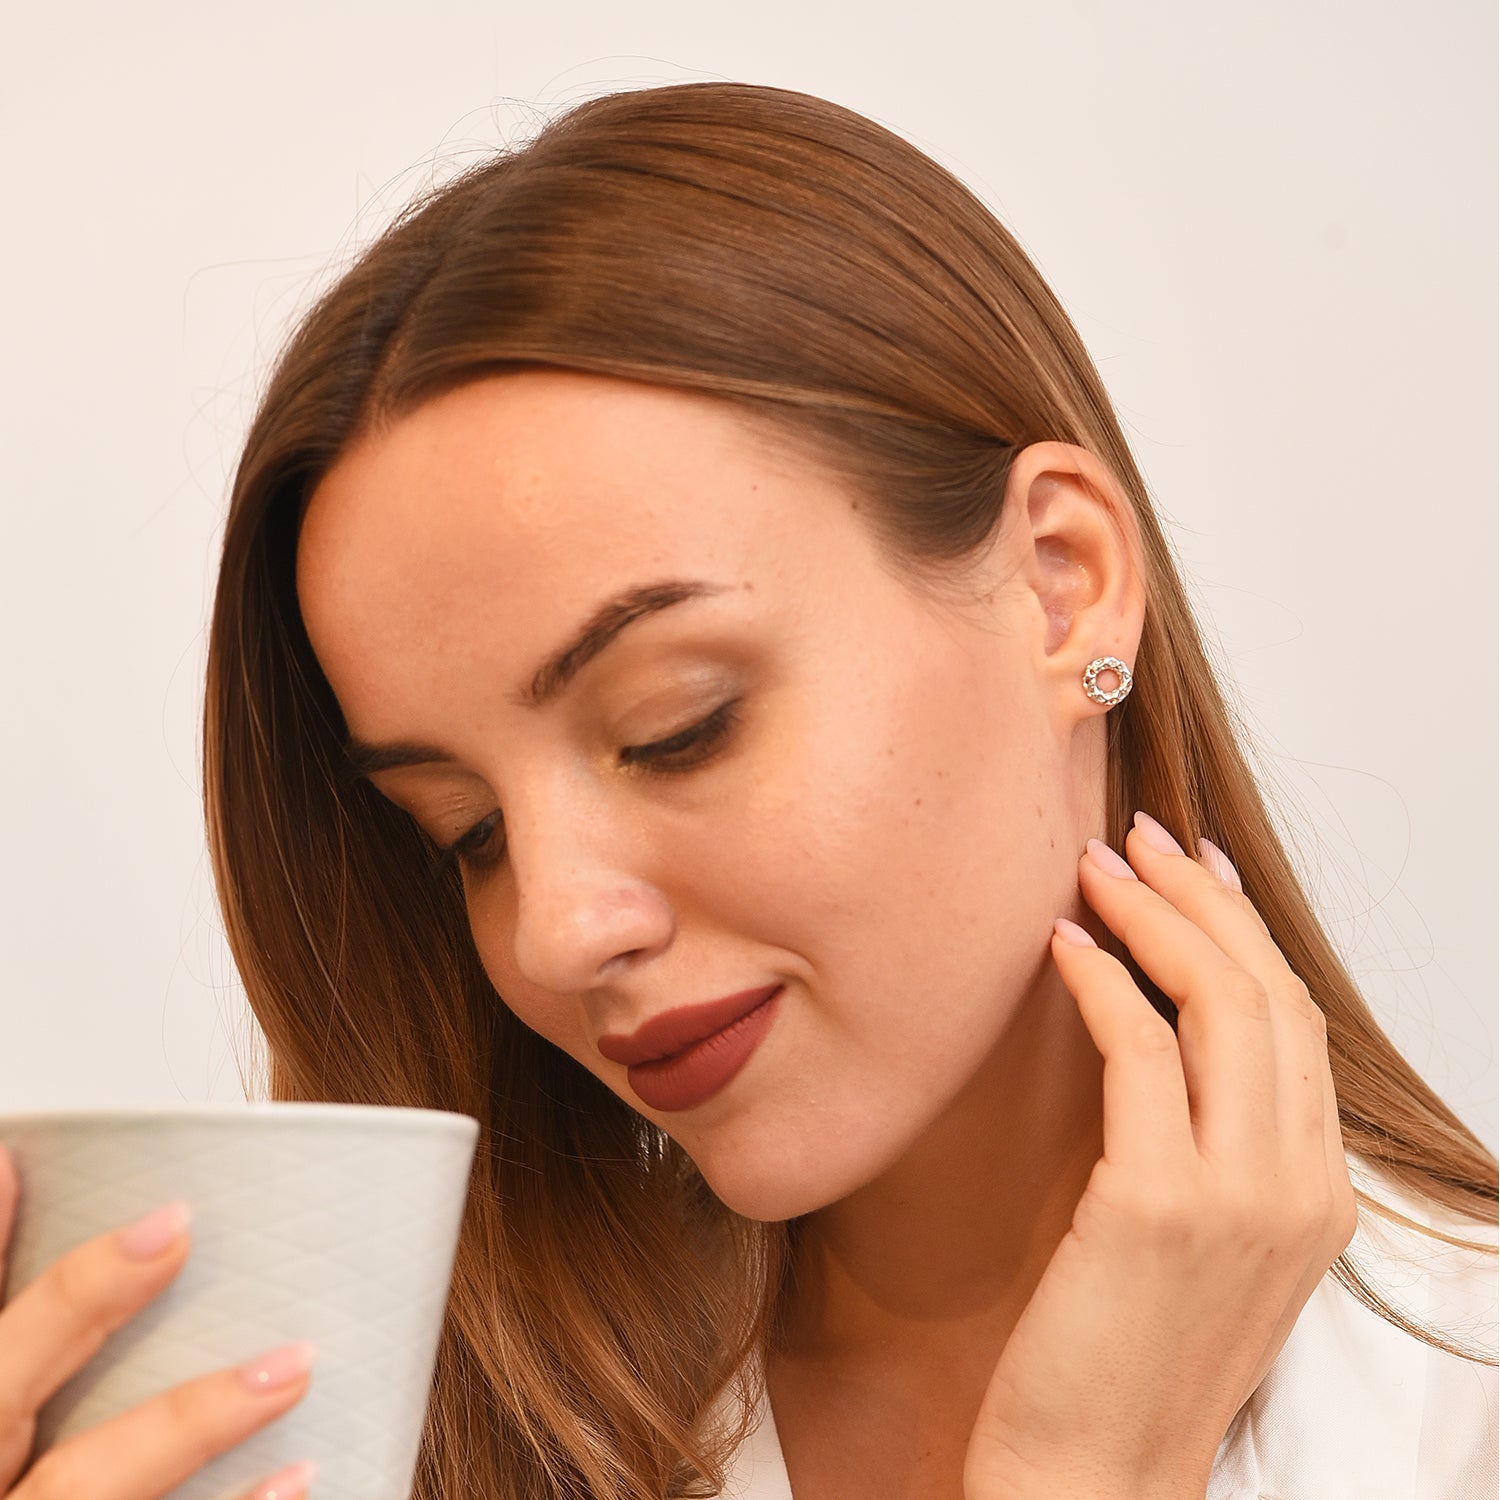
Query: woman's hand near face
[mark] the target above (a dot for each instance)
(1221, 1200)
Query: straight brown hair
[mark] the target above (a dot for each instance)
(791, 257)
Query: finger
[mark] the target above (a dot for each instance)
(1147, 1122)
(1231, 922)
(1317, 1189)
(1345, 1207)
(1225, 1043)
(146, 1452)
(289, 1483)
(1221, 910)
(52, 1327)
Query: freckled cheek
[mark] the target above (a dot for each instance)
(828, 843)
(942, 828)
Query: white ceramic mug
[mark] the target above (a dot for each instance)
(330, 1222)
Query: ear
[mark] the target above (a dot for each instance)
(1076, 552)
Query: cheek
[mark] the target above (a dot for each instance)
(911, 826)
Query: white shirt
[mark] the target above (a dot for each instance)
(1352, 1408)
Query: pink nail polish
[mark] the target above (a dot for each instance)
(1071, 932)
(148, 1237)
(1157, 836)
(289, 1483)
(1108, 860)
(1218, 862)
(278, 1367)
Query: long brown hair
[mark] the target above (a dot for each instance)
(785, 254)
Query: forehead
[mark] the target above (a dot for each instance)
(534, 459)
(518, 502)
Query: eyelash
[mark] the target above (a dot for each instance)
(678, 753)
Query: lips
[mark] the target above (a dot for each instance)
(684, 1057)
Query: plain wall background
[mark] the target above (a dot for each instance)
(1275, 227)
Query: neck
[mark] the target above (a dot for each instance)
(943, 1250)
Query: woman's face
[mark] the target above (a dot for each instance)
(881, 815)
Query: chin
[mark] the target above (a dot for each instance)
(768, 1200)
(772, 1186)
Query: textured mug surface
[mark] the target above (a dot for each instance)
(330, 1222)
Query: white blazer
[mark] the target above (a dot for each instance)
(1352, 1408)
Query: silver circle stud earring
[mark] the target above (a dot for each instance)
(1091, 680)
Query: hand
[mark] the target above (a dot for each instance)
(1221, 1200)
(57, 1323)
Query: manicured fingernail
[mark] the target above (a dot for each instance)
(1157, 836)
(289, 1483)
(1217, 861)
(148, 1237)
(278, 1367)
(1108, 860)
(1071, 932)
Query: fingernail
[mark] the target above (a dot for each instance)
(148, 1237)
(287, 1483)
(1217, 861)
(1108, 860)
(1071, 932)
(1157, 836)
(278, 1367)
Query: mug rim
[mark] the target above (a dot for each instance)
(329, 1111)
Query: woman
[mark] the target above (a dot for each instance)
(691, 651)
(759, 427)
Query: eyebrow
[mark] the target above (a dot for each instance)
(549, 680)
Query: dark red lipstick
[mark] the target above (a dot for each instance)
(685, 1056)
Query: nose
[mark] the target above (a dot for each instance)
(585, 909)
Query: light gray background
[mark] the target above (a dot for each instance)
(1274, 226)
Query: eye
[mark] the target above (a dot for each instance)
(479, 847)
(686, 749)
(471, 848)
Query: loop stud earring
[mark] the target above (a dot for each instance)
(1091, 680)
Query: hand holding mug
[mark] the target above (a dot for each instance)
(58, 1322)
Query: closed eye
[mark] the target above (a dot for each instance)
(686, 749)
(478, 848)
(466, 847)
